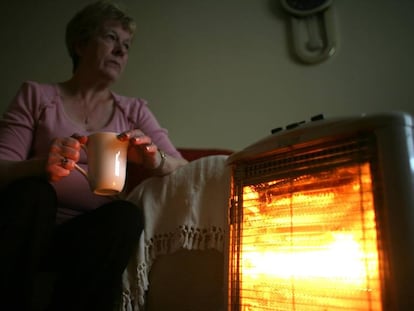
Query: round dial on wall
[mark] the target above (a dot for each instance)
(305, 7)
(312, 28)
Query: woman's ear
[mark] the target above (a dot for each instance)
(79, 47)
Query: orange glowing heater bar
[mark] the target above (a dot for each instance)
(322, 218)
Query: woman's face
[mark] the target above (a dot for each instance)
(106, 53)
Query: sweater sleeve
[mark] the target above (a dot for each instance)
(150, 126)
(18, 123)
(141, 117)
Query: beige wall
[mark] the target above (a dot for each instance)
(218, 73)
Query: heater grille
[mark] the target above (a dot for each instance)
(303, 229)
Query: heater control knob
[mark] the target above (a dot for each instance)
(293, 125)
(296, 124)
(317, 117)
(276, 129)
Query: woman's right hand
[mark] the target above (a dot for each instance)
(63, 154)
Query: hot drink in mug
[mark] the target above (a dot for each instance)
(107, 160)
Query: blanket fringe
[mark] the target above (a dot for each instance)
(184, 237)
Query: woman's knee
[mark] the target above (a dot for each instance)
(112, 218)
(30, 196)
(31, 186)
(124, 214)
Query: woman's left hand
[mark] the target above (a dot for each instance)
(141, 149)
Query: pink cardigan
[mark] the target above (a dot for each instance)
(36, 116)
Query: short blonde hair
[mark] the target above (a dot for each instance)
(87, 22)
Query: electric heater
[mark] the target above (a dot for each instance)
(322, 217)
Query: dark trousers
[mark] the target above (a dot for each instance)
(86, 255)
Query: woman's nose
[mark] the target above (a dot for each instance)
(120, 49)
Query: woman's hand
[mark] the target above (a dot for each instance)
(63, 154)
(141, 149)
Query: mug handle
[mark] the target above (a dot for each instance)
(78, 168)
(81, 170)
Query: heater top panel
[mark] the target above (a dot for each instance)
(329, 129)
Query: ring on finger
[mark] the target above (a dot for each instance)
(64, 161)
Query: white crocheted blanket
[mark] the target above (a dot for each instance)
(186, 209)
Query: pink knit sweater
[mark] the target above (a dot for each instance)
(36, 116)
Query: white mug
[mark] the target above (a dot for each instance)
(107, 161)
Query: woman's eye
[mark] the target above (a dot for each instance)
(111, 36)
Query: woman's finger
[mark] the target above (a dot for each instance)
(124, 136)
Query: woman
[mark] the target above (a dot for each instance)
(40, 141)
